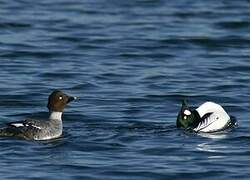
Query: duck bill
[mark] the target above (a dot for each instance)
(184, 103)
(71, 98)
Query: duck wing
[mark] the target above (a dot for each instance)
(206, 121)
(27, 124)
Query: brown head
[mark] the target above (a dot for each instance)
(58, 100)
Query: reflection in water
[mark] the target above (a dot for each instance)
(207, 147)
(213, 135)
(212, 149)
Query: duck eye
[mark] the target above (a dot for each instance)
(60, 97)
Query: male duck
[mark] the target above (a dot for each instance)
(209, 117)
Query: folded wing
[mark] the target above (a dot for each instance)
(212, 122)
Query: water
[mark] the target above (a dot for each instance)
(131, 63)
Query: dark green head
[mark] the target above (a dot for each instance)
(186, 117)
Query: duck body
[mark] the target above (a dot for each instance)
(209, 117)
(33, 129)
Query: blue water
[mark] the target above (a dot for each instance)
(130, 63)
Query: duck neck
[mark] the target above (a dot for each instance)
(54, 115)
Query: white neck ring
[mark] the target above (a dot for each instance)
(55, 115)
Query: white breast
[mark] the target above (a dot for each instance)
(216, 121)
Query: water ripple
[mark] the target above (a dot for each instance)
(131, 63)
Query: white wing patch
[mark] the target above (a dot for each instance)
(26, 125)
(18, 124)
(36, 126)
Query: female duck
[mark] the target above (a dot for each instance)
(34, 129)
(209, 117)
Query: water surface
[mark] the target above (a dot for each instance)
(130, 63)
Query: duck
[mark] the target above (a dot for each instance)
(209, 117)
(34, 129)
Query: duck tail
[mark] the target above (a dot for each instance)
(233, 122)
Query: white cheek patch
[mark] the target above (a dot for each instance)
(187, 112)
